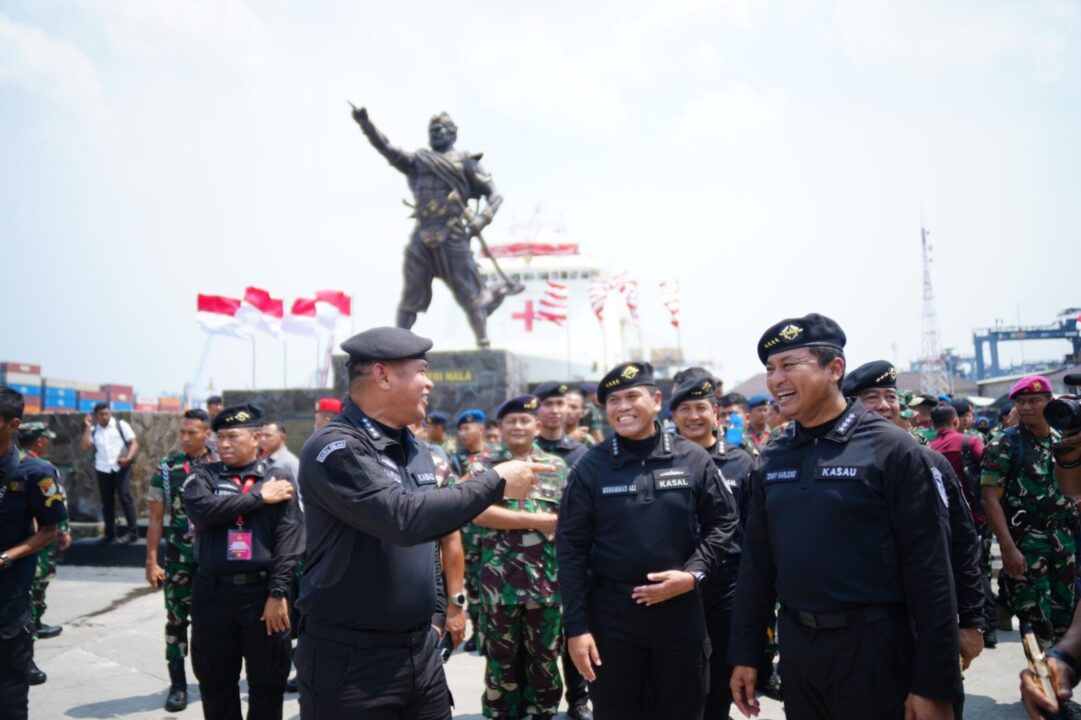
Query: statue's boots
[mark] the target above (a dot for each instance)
(177, 699)
(406, 319)
(478, 320)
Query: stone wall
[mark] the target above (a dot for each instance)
(157, 434)
(295, 409)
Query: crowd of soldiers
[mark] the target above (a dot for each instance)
(827, 544)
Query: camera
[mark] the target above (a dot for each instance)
(1064, 414)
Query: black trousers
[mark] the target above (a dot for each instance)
(851, 673)
(719, 700)
(655, 660)
(15, 654)
(119, 484)
(340, 679)
(225, 630)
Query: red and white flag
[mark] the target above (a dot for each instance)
(217, 315)
(628, 288)
(670, 299)
(301, 318)
(334, 310)
(598, 296)
(553, 304)
(262, 312)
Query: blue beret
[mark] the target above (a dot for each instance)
(470, 416)
(521, 404)
(812, 330)
(385, 343)
(758, 400)
(438, 418)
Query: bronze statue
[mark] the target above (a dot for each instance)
(443, 180)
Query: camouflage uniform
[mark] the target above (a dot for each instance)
(463, 461)
(1041, 522)
(45, 569)
(180, 563)
(523, 624)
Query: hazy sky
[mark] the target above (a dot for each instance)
(776, 157)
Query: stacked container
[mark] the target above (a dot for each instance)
(169, 404)
(59, 395)
(24, 379)
(121, 397)
(146, 403)
(89, 398)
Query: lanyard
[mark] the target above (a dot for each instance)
(247, 486)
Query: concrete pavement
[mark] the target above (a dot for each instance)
(110, 660)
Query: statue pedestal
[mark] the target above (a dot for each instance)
(464, 379)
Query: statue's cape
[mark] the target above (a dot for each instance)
(446, 170)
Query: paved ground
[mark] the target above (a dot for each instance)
(110, 662)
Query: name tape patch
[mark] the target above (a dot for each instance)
(782, 475)
(840, 472)
(336, 445)
(618, 490)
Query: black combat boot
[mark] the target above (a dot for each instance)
(35, 675)
(178, 689)
(44, 632)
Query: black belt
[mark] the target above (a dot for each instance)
(234, 578)
(617, 586)
(844, 618)
(365, 638)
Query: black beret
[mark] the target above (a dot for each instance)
(238, 416)
(550, 389)
(588, 388)
(521, 404)
(385, 343)
(438, 417)
(625, 376)
(695, 388)
(812, 330)
(692, 373)
(875, 374)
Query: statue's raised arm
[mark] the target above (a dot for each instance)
(395, 156)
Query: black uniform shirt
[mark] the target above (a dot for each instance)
(32, 494)
(214, 499)
(566, 447)
(843, 516)
(623, 516)
(964, 544)
(373, 514)
(735, 465)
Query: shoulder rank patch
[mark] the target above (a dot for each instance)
(49, 489)
(336, 445)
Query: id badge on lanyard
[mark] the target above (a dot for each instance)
(239, 545)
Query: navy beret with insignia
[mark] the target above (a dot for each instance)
(588, 388)
(386, 344)
(875, 374)
(238, 416)
(626, 375)
(697, 387)
(471, 416)
(550, 389)
(812, 330)
(437, 418)
(758, 400)
(521, 404)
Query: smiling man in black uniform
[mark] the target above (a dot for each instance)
(371, 598)
(848, 523)
(694, 410)
(645, 519)
(248, 538)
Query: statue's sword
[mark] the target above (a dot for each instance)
(513, 287)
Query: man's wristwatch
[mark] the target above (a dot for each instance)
(699, 578)
(5, 561)
(277, 594)
(458, 599)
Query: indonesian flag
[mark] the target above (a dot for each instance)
(333, 311)
(598, 296)
(262, 312)
(670, 299)
(628, 288)
(553, 304)
(301, 318)
(217, 315)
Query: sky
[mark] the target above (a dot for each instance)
(777, 157)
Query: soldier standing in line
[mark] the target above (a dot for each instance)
(166, 490)
(1031, 517)
(758, 429)
(523, 629)
(471, 446)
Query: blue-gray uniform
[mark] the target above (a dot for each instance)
(634, 507)
(848, 523)
(371, 589)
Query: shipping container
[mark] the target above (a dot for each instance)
(27, 391)
(146, 407)
(122, 406)
(14, 367)
(55, 383)
(170, 403)
(55, 401)
(51, 393)
(121, 397)
(87, 387)
(124, 389)
(86, 406)
(93, 395)
(32, 408)
(18, 378)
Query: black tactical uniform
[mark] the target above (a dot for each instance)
(848, 526)
(247, 551)
(634, 507)
(372, 588)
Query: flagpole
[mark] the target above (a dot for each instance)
(285, 361)
(253, 362)
(567, 328)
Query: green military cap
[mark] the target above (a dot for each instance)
(34, 430)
